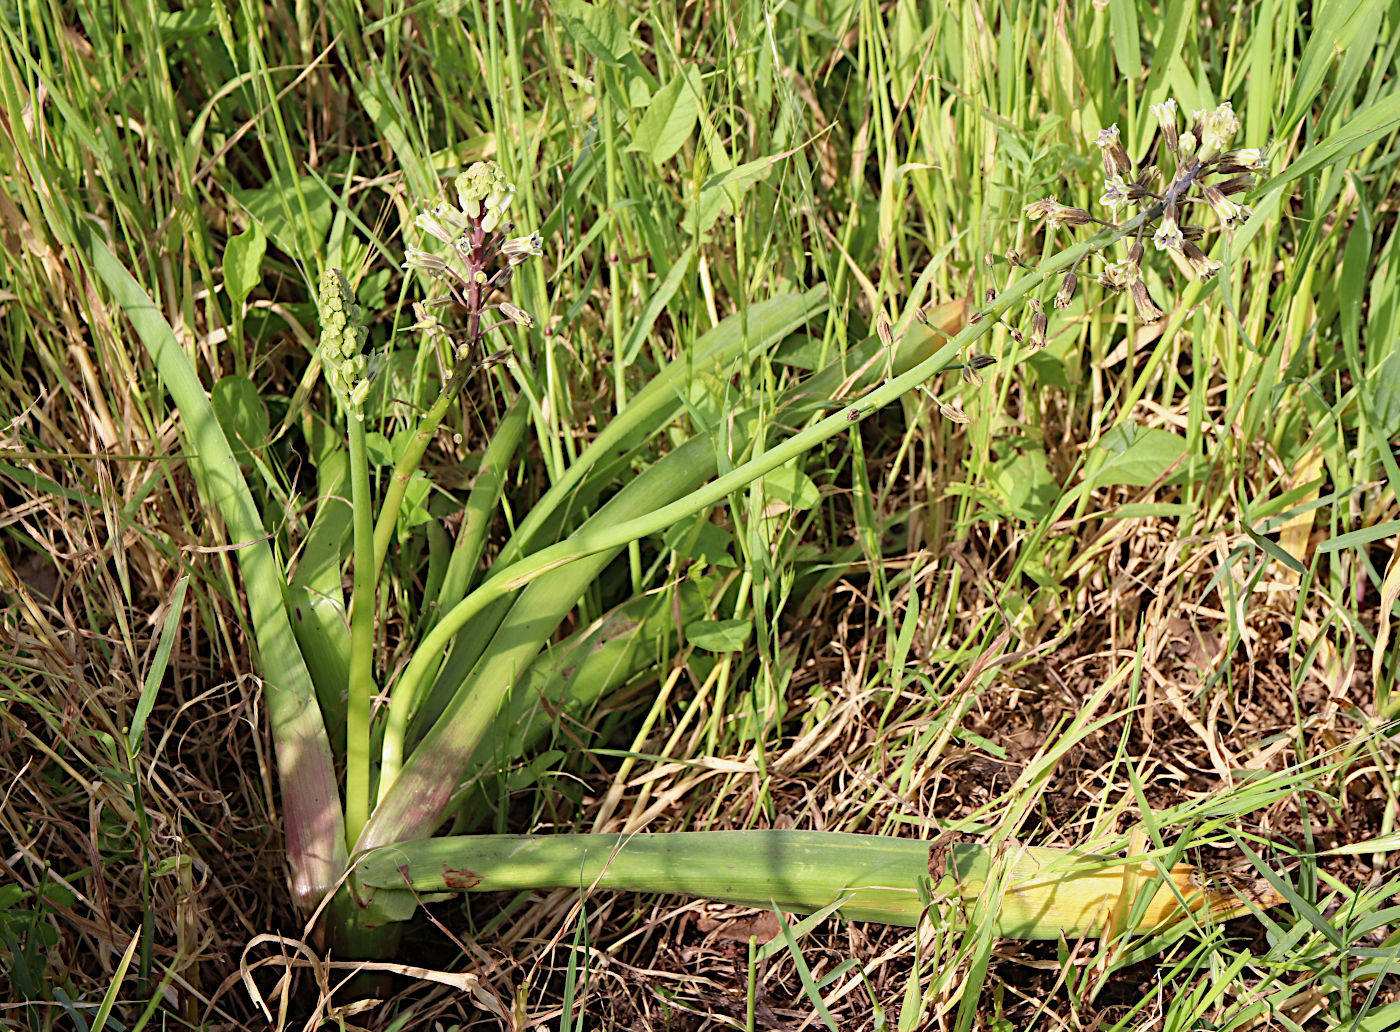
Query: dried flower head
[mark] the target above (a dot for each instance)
(1115, 158)
(1147, 308)
(1165, 113)
(517, 315)
(1230, 213)
(1065, 297)
(1040, 325)
(1197, 262)
(953, 412)
(1245, 159)
(1119, 275)
(883, 330)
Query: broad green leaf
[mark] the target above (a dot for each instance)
(595, 28)
(701, 541)
(414, 510)
(802, 351)
(1136, 455)
(310, 799)
(241, 415)
(1025, 485)
(243, 258)
(382, 100)
(718, 635)
(1049, 370)
(791, 487)
(294, 213)
(1384, 389)
(178, 26)
(1383, 844)
(670, 119)
(1165, 510)
(725, 191)
(38, 483)
(379, 449)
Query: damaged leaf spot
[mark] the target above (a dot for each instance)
(460, 878)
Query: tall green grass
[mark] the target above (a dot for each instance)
(848, 625)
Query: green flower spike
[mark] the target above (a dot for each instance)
(343, 336)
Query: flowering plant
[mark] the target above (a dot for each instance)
(1207, 174)
(483, 255)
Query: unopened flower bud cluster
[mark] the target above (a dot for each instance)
(343, 335)
(1206, 175)
(481, 254)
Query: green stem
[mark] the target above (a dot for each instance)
(408, 462)
(466, 556)
(481, 502)
(794, 871)
(361, 683)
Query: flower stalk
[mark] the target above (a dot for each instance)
(481, 261)
(343, 335)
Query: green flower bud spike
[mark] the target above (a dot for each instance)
(475, 185)
(343, 336)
